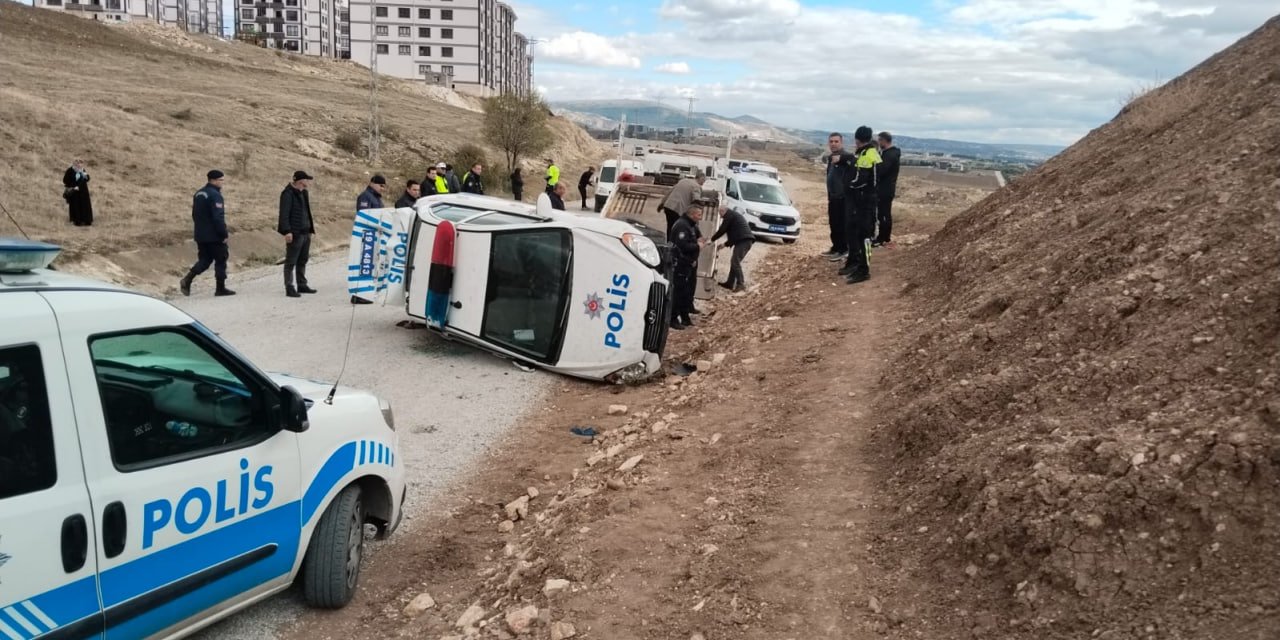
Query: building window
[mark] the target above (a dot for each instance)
(382, 49)
(291, 30)
(446, 14)
(402, 12)
(291, 3)
(380, 12)
(249, 2)
(424, 14)
(447, 34)
(446, 69)
(446, 52)
(380, 30)
(424, 32)
(249, 27)
(403, 32)
(246, 14)
(403, 50)
(424, 69)
(291, 16)
(424, 52)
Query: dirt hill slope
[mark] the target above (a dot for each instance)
(151, 109)
(1087, 412)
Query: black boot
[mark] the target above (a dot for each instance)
(185, 283)
(222, 289)
(291, 292)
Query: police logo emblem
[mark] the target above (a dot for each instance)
(592, 305)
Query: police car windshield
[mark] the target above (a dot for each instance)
(763, 193)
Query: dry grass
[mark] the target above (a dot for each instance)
(1154, 106)
(158, 108)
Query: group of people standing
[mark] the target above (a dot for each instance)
(861, 185)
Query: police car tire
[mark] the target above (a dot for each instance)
(788, 241)
(326, 583)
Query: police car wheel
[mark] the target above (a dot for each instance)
(788, 240)
(332, 565)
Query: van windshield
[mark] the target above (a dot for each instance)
(607, 173)
(529, 282)
(763, 193)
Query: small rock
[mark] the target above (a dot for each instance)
(532, 491)
(703, 365)
(774, 318)
(715, 438)
(631, 463)
(697, 636)
(562, 630)
(518, 508)
(506, 526)
(971, 570)
(473, 614)
(718, 358)
(595, 458)
(670, 417)
(1201, 339)
(614, 450)
(922, 530)
(1138, 459)
(711, 502)
(874, 604)
(708, 549)
(1175, 459)
(521, 620)
(554, 586)
(509, 550)
(748, 361)
(621, 505)
(616, 484)
(659, 426)
(617, 409)
(419, 604)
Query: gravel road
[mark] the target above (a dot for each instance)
(451, 401)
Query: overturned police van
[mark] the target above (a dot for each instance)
(581, 296)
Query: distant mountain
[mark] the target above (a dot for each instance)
(606, 114)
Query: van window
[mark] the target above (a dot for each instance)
(763, 193)
(607, 173)
(528, 285)
(27, 463)
(166, 397)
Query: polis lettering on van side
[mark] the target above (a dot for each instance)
(399, 258)
(198, 506)
(616, 297)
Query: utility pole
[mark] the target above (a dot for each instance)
(373, 83)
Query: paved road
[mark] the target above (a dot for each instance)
(450, 401)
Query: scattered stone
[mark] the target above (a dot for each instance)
(631, 463)
(562, 630)
(1093, 521)
(614, 450)
(711, 502)
(616, 484)
(718, 358)
(617, 409)
(708, 549)
(506, 526)
(621, 505)
(1138, 459)
(697, 636)
(659, 426)
(595, 458)
(532, 491)
(1175, 459)
(473, 614)
(971, 570)
(509, 550)
(715, 438)
(774, 318)
(874, 605)
(518, 509)
(419, 604)
(521, 620)
(749, 361)
(554, 586)
(670, 417)
(922, 530)
(703, 365)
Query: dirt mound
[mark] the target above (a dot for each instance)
(1087, 411)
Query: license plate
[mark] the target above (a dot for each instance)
(777, 228)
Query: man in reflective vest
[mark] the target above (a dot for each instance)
(553, 175)
(860, 199)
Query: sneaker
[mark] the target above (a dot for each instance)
(858, 277)
(829, 253)
(839, 256)
(292, 293)
(305, 289)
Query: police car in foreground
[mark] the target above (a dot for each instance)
(582, 296)
(153, 480)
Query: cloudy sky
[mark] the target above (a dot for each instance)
(1034, 71)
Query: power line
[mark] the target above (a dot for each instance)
(14, 221)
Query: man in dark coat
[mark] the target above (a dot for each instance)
(75, 191)
(371, 197)
(557, 197)
(517, 185)
(297, 227)
(688, 241)
(471, 180)
(887, 188)
(584, 181)
(412, 191)
(734, 225)
(209, 216)
(450, 178)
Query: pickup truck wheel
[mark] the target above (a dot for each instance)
(331, 568)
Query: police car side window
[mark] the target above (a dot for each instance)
(166, 397)
(27, 462)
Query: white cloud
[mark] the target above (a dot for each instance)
(586, 49)
(676, 68)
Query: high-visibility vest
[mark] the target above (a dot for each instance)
(553, 175)
(442, 186)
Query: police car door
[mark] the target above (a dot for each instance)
(47, 560)
(195, 492)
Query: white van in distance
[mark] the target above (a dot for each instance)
(610, 173)
(765, 204)
(153, 480)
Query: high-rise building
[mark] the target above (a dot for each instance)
(310, 27)
(196, 16)
(473, 42)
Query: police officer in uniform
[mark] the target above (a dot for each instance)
(860, 199)
(208, 215)
(688, 242)
(371, 197)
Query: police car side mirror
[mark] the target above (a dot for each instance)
(293, 410)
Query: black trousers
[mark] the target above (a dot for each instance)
(582, 191)
(860, 212)
(517, 192)
(672, 216)
(836, 218)
(686, 283)
(736, 278)
(884, 215)
(296, 254)
(211, 253)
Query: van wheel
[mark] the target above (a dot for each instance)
(788, 241)
(331, 568)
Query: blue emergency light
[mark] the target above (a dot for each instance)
(21, 256)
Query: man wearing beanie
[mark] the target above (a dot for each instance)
(864, 165)
(371, 197)
(297, 227)
(208, 213)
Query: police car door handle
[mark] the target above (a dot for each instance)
(457, 304)
(114, 529)
(75, 543)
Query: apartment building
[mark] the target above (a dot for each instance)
(472, 41)
(196, 16)
(309, 27)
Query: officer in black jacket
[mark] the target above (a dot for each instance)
(891, 158)
(687, 242)
(208, 215)
(371, 197)
(297, 227)
(860, 199)
(739, 236)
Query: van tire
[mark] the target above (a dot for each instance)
(600, 203)
(331, 568)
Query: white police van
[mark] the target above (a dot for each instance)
(765, 204)
(153, 480)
